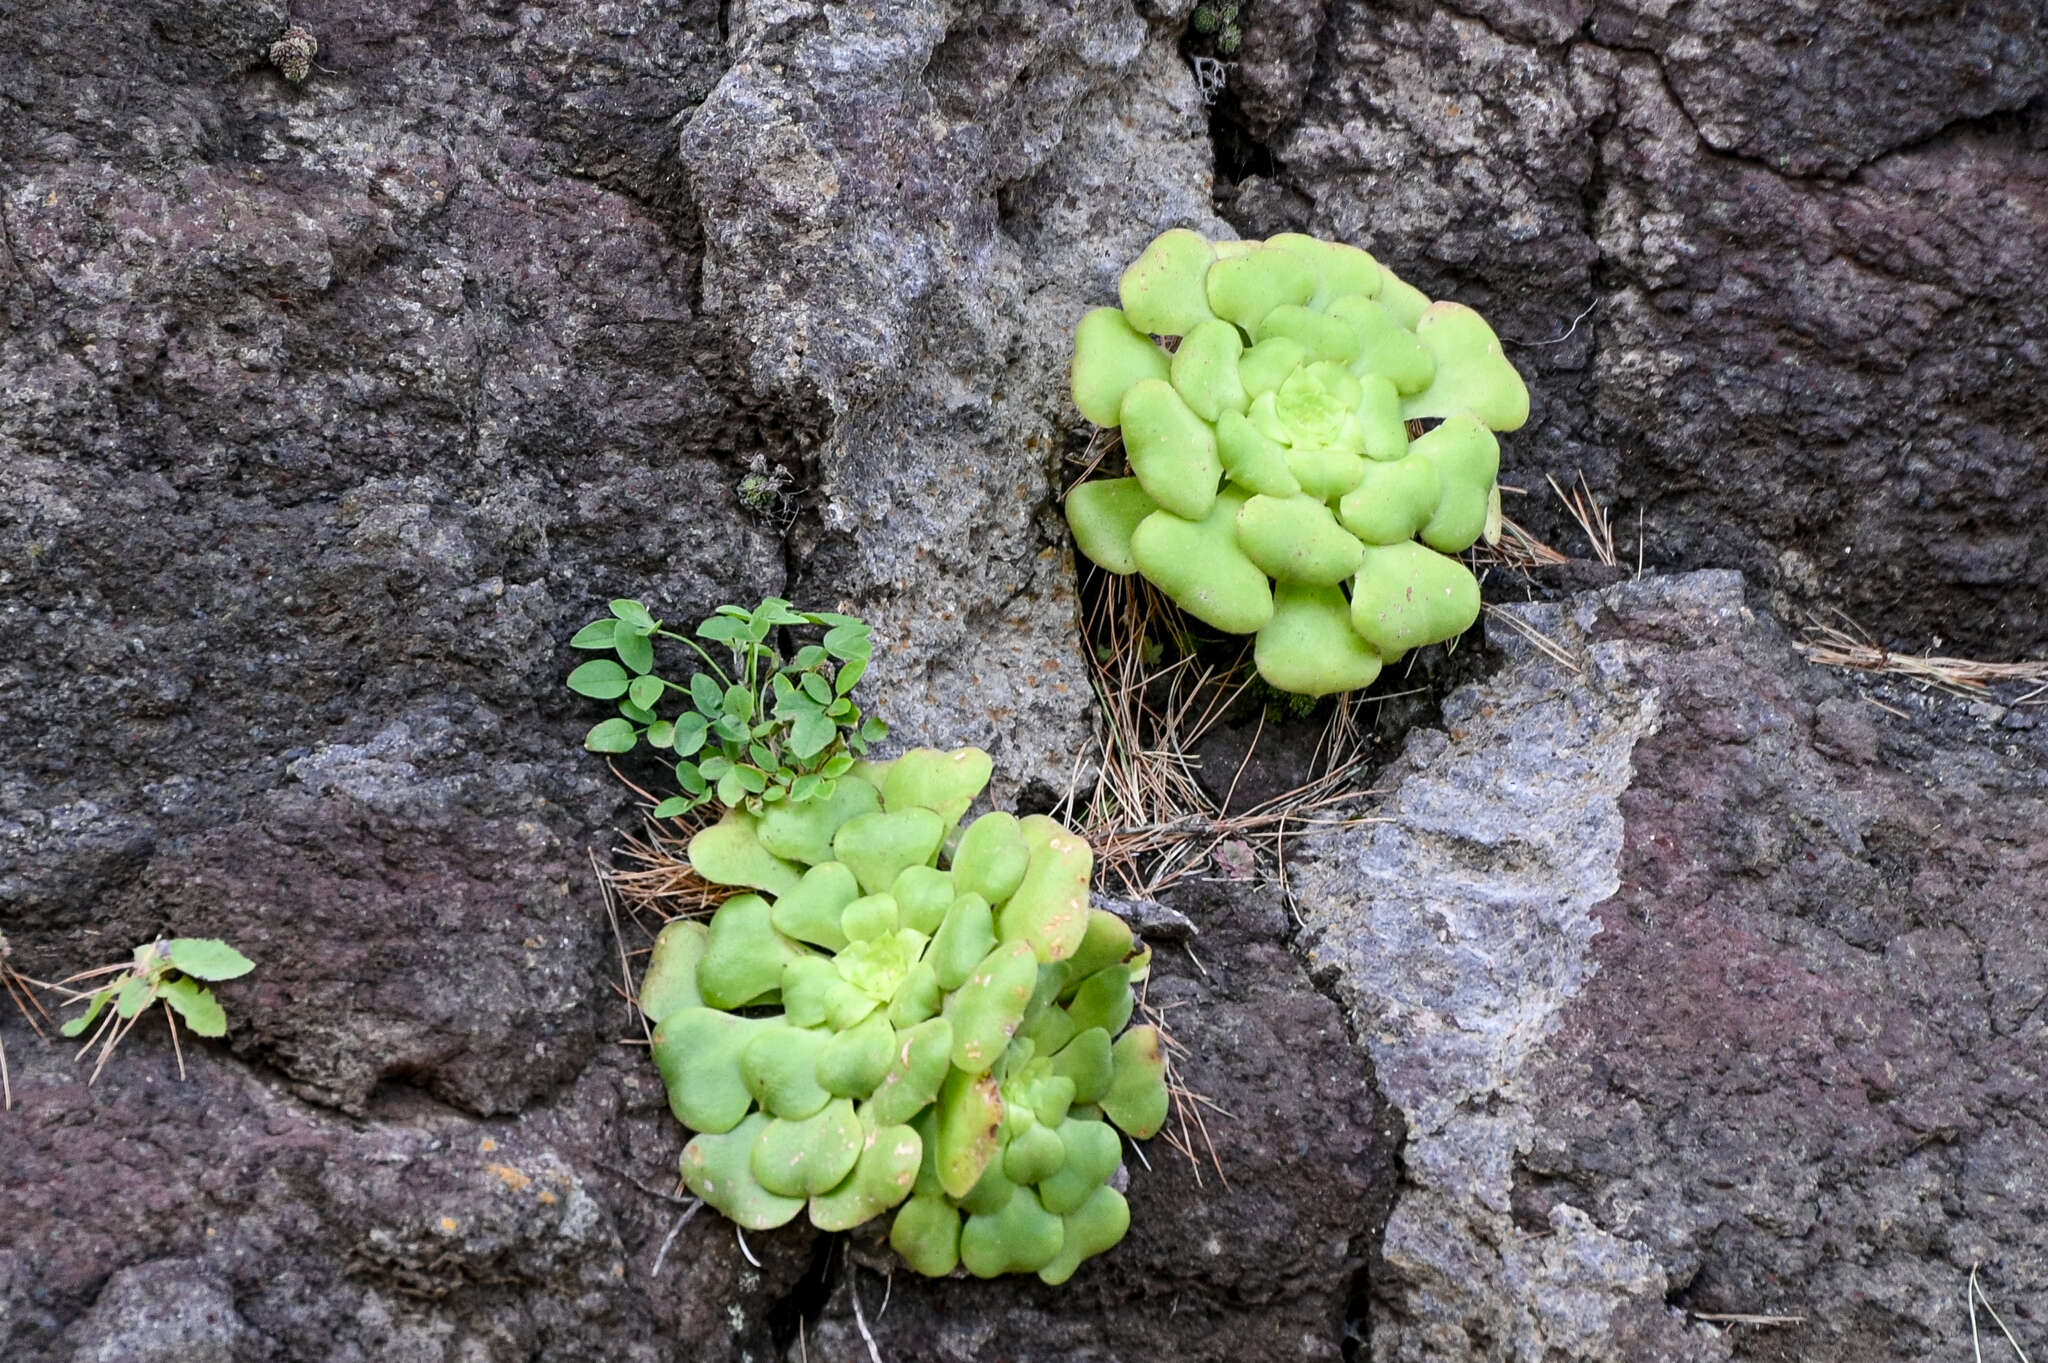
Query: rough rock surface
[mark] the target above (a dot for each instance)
(1778, 271)
(1704, 987)
(329, 409)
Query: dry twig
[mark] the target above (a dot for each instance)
(1967, 678)
(1591, 516)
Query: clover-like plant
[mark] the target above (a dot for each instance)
(767, 731)
(1315, 416)
(169, 969)
(902, 1014)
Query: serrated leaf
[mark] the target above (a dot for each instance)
(208, 958)
(614, 735)
(661, 734)
(596, 634)
(635, 616)
(646, 691)
(201, 1011)
(690, 734)
(675, 806)
(93, 1008)
(600, 679)
(707, 695)
(635, 651)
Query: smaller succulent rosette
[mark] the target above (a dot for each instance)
(1305, 458)
(904, 1014)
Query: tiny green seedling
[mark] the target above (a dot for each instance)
(169, 969)
(764, 731)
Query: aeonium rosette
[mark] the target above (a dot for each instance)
(1305, 459)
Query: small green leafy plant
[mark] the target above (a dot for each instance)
(762, 730)
(169, 969)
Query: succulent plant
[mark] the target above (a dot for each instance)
(902, 1013)
(1316, 415)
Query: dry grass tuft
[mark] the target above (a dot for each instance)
(1147, 815)
(1185, 1129)
(1517, 549)
(21, 989)
(1591, 516)
(1966, 678)
(1975, 1295)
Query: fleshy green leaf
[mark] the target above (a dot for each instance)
(635, 713)
(817, 689)
(752, 779)
(614, 735)
(836, 767)
(730, 791)
(707, 694)
(202, 1013)
(635, 616)
(722, 629)
(690, 733)
(208, 958)
(673, 807)
(807, 657)
(635, 651)
(730, 730)
(646, 691)
(811, 735)
(600, 679)
(874, 731)
(661, 734)
(597, 634)
(847, 641)
(692, 781)
(739, 703)
(850, 674)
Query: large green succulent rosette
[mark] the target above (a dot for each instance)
(1306, 454)
(900, 1013)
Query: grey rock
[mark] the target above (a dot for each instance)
(167, 1311)
(1689, 1008)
